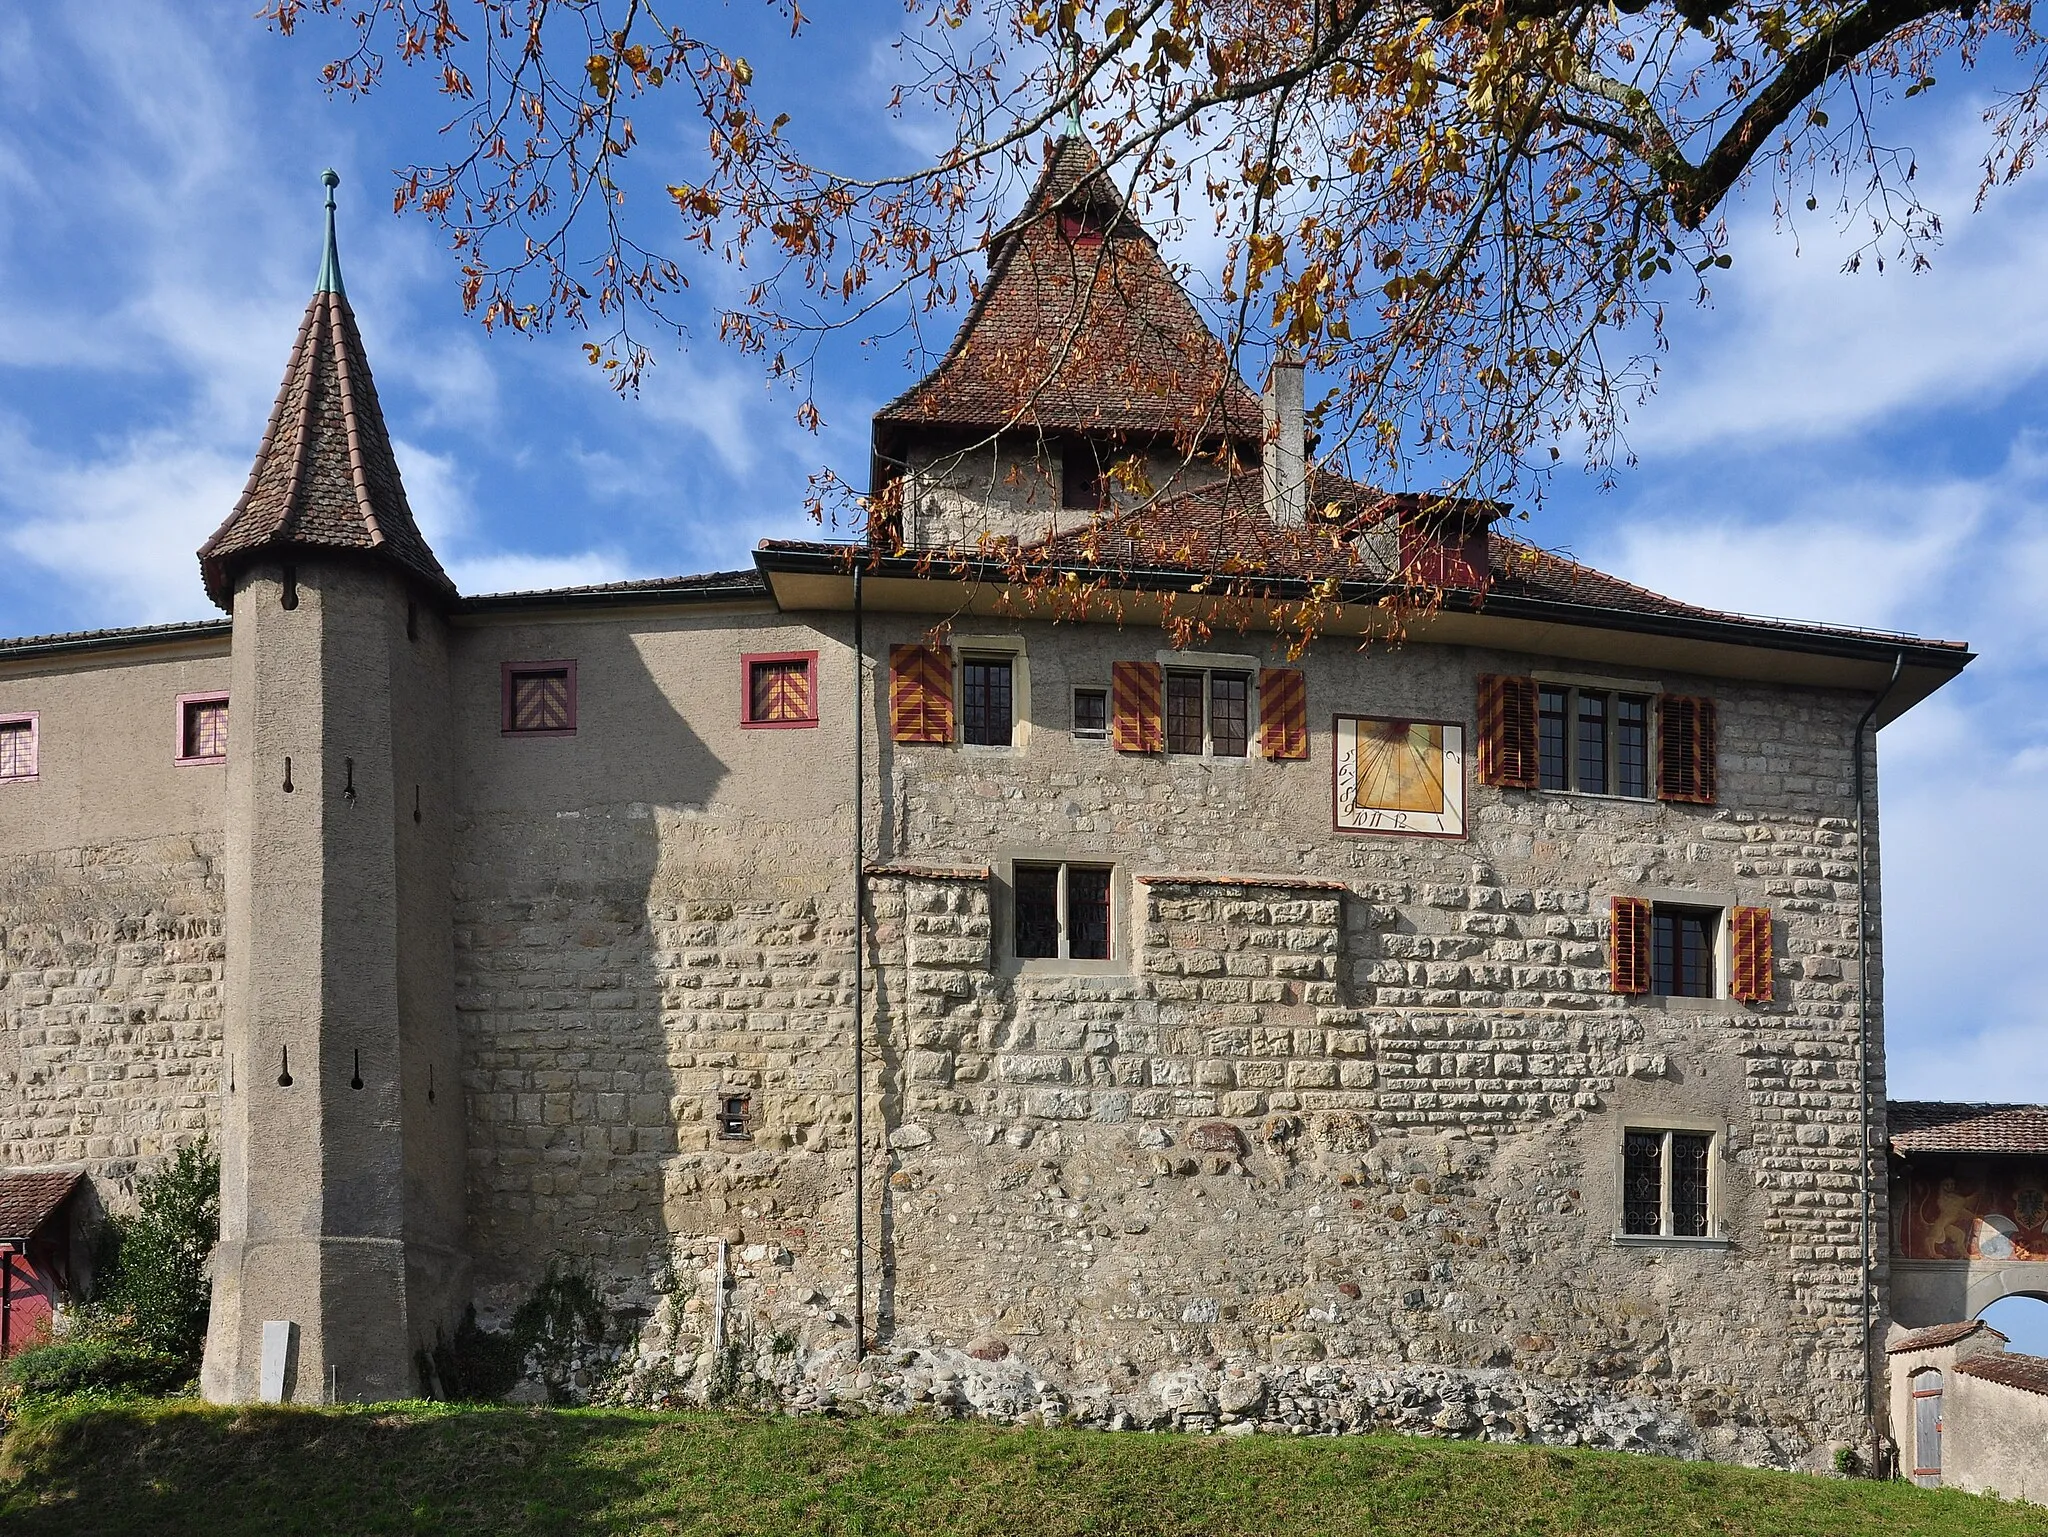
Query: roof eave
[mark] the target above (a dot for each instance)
(793, 574)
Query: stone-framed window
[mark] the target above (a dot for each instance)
(1685, 951)
(1209, 711)
(1594, 740)
(1091, 714)
(988, 700)
(735, 1116)
(202, 727)
(1062, 911)
(538, 698)
(779, 689)
(1667, 1183)
(19, 744)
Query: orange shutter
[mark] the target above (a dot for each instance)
(1685, 749)
(1507, 732)
(1283, 712)
(921, 693)
(1136, 719)
(1749, 931)
(1628, 946)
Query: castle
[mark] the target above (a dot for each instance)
(1499, 998)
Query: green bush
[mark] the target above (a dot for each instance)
(81, 1365)
(154, 1295)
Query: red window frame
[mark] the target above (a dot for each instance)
(510, 671)
(31, 719)
(181, 720)
(747, 661)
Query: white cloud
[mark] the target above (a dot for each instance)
(476, 574)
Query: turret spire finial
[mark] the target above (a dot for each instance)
(330, 260)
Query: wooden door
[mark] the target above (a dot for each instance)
(27, 1299)
(1927, 1429)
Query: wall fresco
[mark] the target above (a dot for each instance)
(1989, 1211)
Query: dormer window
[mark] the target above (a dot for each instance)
(1083, 226)
(1081, 488)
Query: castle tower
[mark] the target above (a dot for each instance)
(341, 1142)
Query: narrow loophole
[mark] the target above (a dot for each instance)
(357, 1081)
(284, 1067)
(290, 596)
(415, 803)
(430, 1083)
(287, 775)
(348, 780)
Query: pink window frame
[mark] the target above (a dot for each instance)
(185, 702)
(33, 718)
(810, 661)
(509, 670)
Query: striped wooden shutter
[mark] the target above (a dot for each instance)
(1507, 732)
(1137, 717)
(921, 693)
(1628, 946)
(1685, 749)
(1283, 712)
(1749, 932)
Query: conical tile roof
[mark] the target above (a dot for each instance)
(1079, 334)
(325, 477)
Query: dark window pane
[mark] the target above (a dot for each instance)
(985, 703)
(1229, 713)
(1184, 712)
(1632, 746)
(732, 1116)
(1091, 712)
(1642, 1182)
(1038, 910)
(1555, 768)
(1689, 1183)
(1087, 914)
(1682, 952)
(1080, 477)
(1592, 743)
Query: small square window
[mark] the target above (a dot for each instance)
(1091, 714)
(781, 689)
(986, 701)
(539, 699)
(17, 747)
(202, 728)
(1664, 1184)
(735, 1117)
(1063, 912)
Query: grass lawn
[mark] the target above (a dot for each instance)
(171, 1468)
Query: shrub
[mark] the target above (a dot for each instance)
(155, 1294)
(81, 1365)
(558, 1329)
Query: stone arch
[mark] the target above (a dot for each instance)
(1993, 1282)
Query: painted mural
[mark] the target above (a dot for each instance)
(1993, 1213)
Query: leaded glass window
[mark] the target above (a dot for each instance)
(985, 701)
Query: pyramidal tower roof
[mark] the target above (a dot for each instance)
(325, 477)
(1080, 327)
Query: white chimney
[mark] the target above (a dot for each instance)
(1286, 447)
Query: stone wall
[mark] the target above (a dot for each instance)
(111, 963)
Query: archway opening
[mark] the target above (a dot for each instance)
(2023, 1320)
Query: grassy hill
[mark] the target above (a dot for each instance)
(165, 1469)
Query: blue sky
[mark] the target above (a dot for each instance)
(1868, 449)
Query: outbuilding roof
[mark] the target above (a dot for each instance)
(1940, 1335)
(2027, 1373)
(29, 1198)
(1080, 332)
(1942, 1126)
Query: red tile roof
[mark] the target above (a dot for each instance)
(29, 1199)
(325, 476)
(1940, 1335)
(1069, 335)
(1934, 1126)
(2027, 1373)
